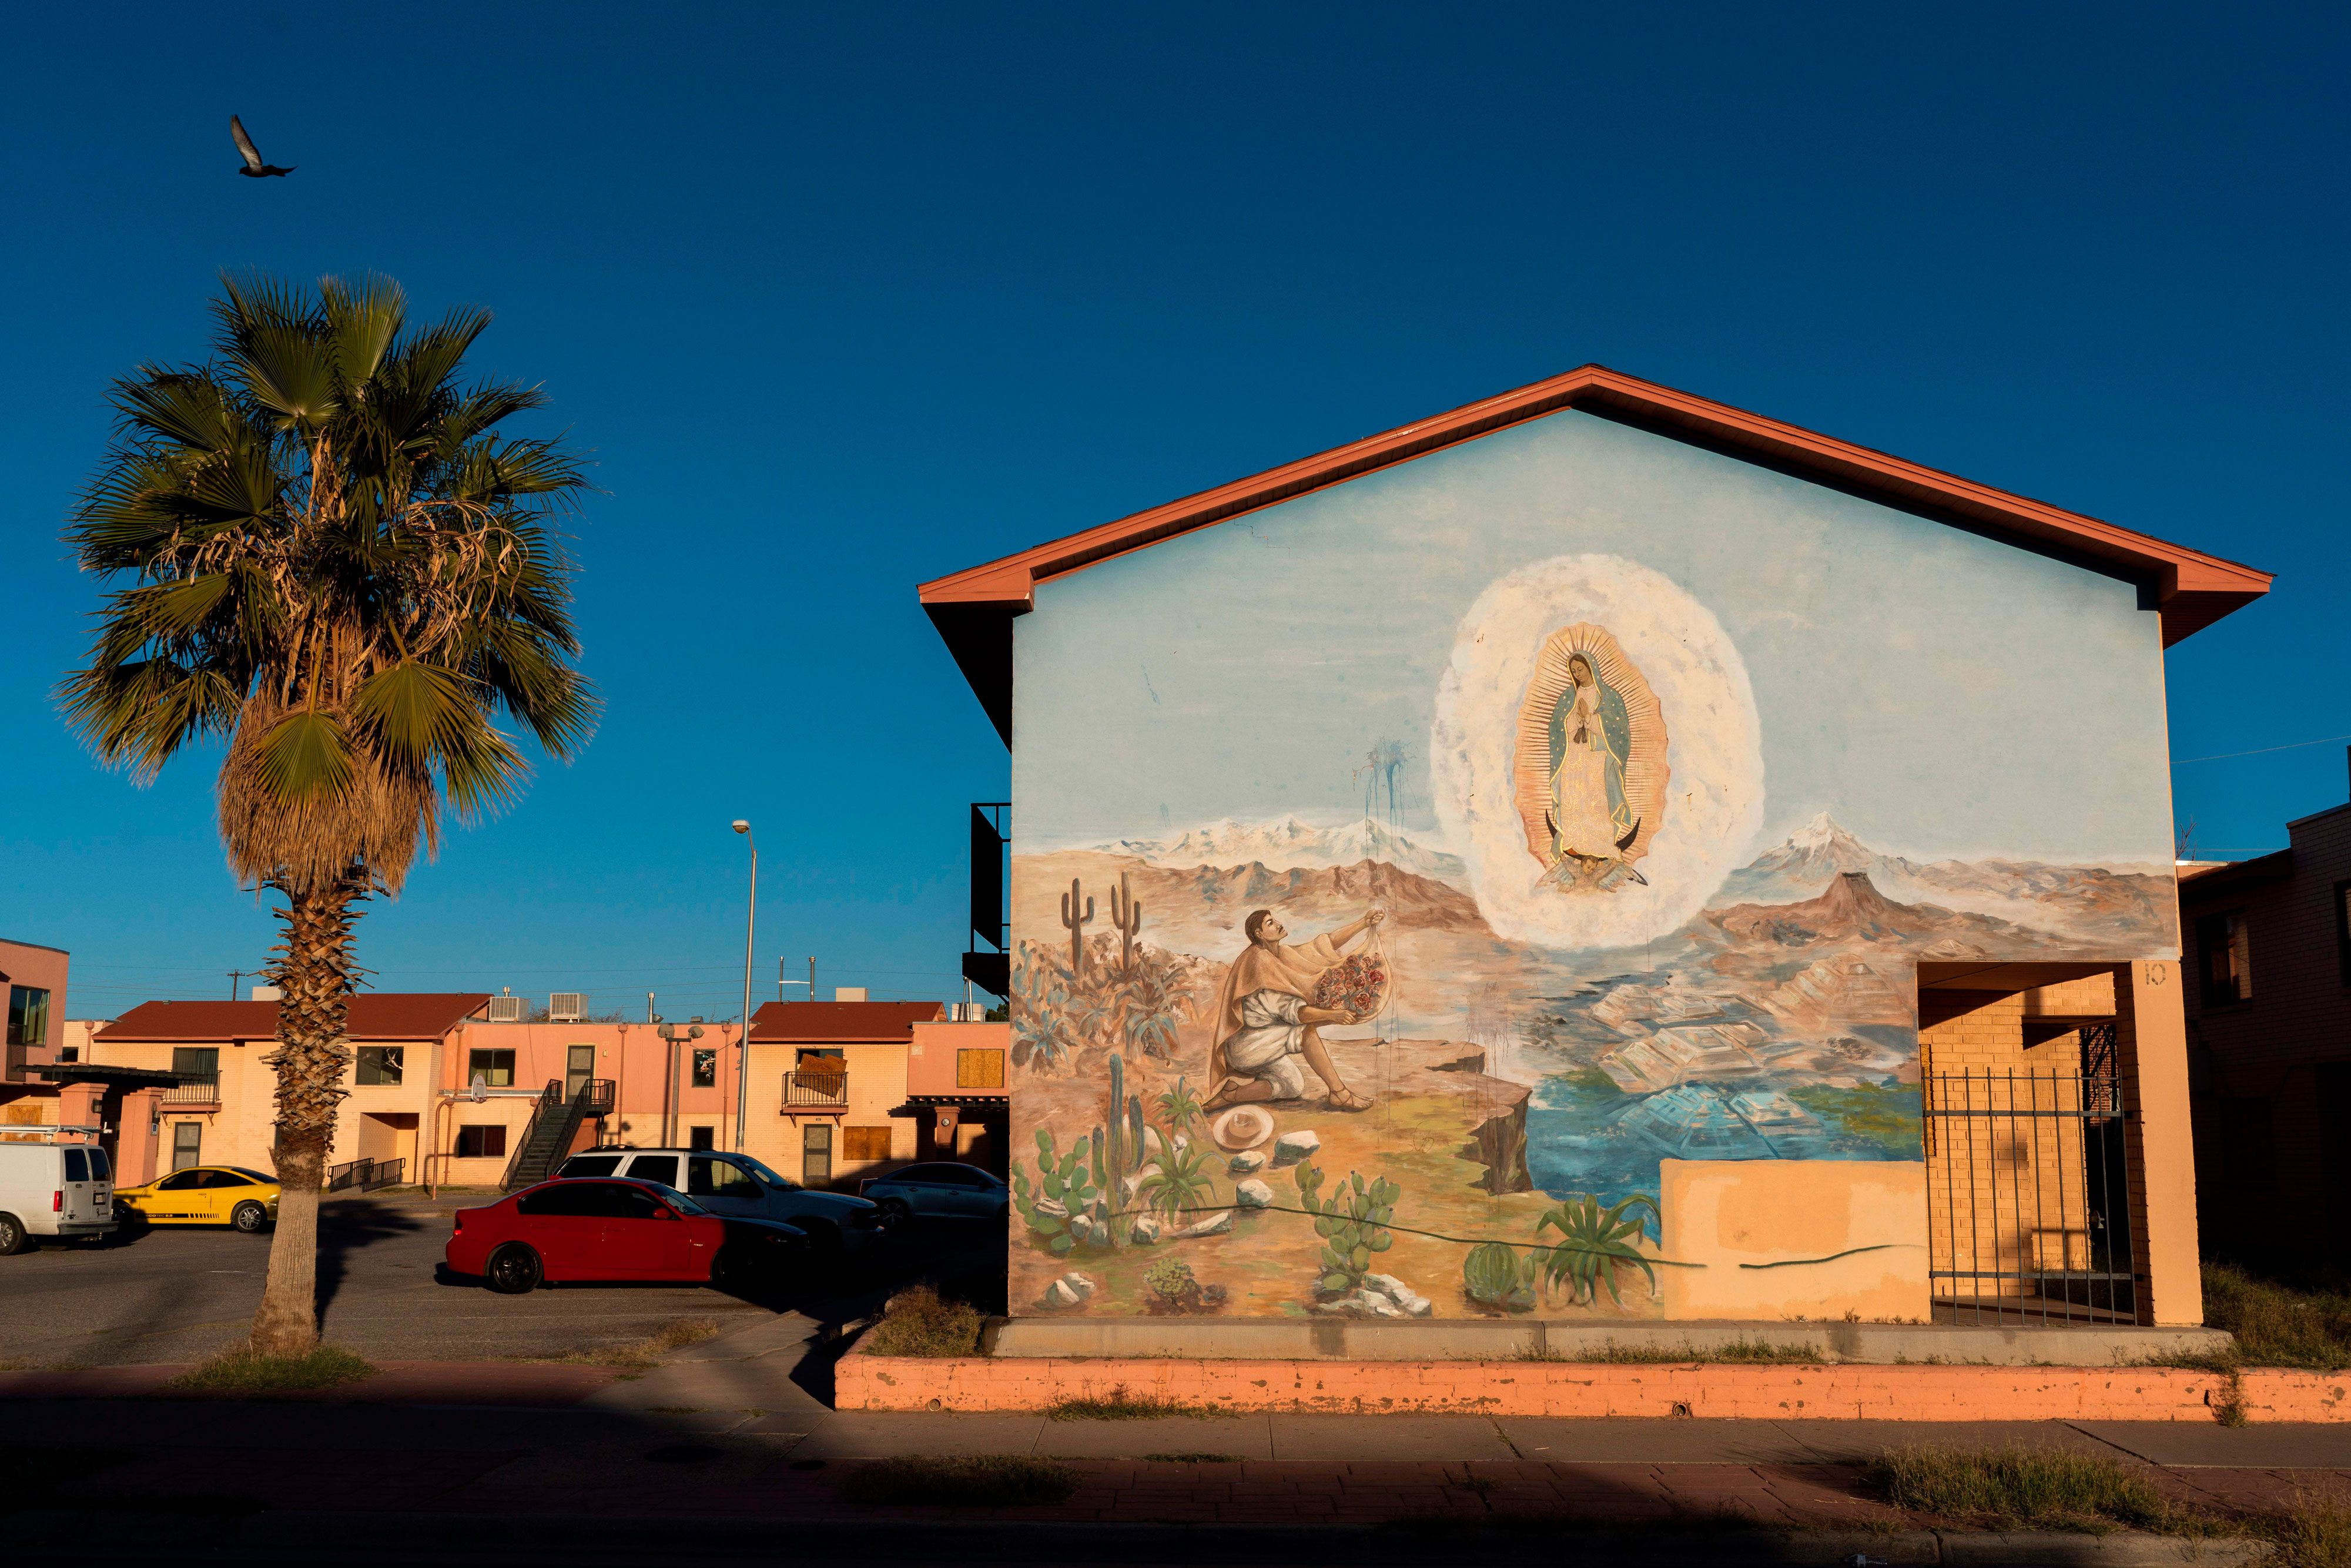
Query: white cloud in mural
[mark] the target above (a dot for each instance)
(1714, 803)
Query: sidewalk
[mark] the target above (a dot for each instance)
(722, 1453)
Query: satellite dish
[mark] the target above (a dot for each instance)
(480, 1090)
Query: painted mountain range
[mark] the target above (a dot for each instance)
(2135, 906)
(1288, 844)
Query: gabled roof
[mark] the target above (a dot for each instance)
(841, 1023)
(973, 609)
(387, 1015)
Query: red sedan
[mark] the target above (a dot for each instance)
(565, 1231)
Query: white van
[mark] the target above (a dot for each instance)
(53, 1189)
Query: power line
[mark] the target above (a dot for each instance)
(2261, 750)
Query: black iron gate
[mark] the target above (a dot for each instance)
(2029, 1191)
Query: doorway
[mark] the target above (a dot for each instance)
(187, 1145)
(578, 1069)
(816, 1154)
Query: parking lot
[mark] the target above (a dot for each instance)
(176, 1294)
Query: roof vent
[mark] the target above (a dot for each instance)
(849, 993)
(567, 1006)
(506, 1009)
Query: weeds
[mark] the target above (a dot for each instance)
(918, 1322)
(2276, 1325)
(2006, 1489)
(1750, 1352)
(242, 1371)
(641, 1355)
(1118, 1404)
(984, 1481)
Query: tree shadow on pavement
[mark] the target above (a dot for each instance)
(348, 1228)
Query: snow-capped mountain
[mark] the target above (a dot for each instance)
(1288, 844)
(2026, 891)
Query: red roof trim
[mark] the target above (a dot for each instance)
(2194, 589)
(841, 1023)
(386, 1015)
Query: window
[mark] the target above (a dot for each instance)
(636, 1203)
(187, 1144)
(68, 1053)
(199, 1063)
(99, 1170)
(182, 1180)
(28, 1016)
(2343, 928)
(77, 1165)
(482, 1143)
(380, 1063)
(592, 1166)
(2225, 945)
(662, 1169)
(701, 1138)
(583, 1201)
(707, 1177)
(979, 1069)
(223, 1178)
(494, 1068)
(865, 1143)
(706, 1068)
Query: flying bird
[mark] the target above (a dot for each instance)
(254, 169)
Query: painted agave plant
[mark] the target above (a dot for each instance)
(1593, 1244)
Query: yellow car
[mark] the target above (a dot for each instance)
(203, 1195)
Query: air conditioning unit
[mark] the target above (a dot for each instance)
(966, 1012)
(506, 1009)
(268, 994)
(567, 1006)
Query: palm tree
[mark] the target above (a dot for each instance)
(330, 558)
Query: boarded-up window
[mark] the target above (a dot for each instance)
(979, 1069)
(481, 1143)
(865, 1143)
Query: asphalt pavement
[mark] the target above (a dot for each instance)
(182, 1293)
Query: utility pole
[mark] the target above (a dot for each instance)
(234, 977)
(781, 982)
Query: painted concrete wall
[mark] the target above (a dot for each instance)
(1634, 781)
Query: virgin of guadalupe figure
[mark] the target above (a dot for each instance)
(1591, 738)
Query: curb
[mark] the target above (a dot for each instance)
(505, 1540)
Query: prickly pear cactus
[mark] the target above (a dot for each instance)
(1352, 1222)
(1063, 1191)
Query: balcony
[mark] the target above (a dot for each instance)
(193, 1090)
(810, 1090)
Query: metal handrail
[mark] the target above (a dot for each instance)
(818, 1088)
(364, 1174)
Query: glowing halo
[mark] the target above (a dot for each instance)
(1714, 751)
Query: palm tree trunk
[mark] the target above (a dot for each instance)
(314, 976)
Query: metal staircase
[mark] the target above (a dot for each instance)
(554, 1126)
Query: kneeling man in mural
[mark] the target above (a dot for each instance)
(1265, 1020)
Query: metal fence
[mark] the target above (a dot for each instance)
(2029, 1196)
(364, 1174)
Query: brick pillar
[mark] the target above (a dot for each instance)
(2151, 1032)
(77, 1106)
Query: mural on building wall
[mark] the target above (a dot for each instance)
(1543, 1040)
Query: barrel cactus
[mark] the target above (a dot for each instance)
(1493, 1276)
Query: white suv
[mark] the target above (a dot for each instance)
(53, 1189)
(732, 1184)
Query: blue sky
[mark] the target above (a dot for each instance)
(1939, 692)
(845, 297)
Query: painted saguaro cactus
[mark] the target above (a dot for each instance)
(1126, 919)
(1077, 924)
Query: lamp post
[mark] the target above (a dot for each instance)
(750, 931)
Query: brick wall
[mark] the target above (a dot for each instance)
(2271, 1074)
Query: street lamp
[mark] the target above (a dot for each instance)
(750, 929)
